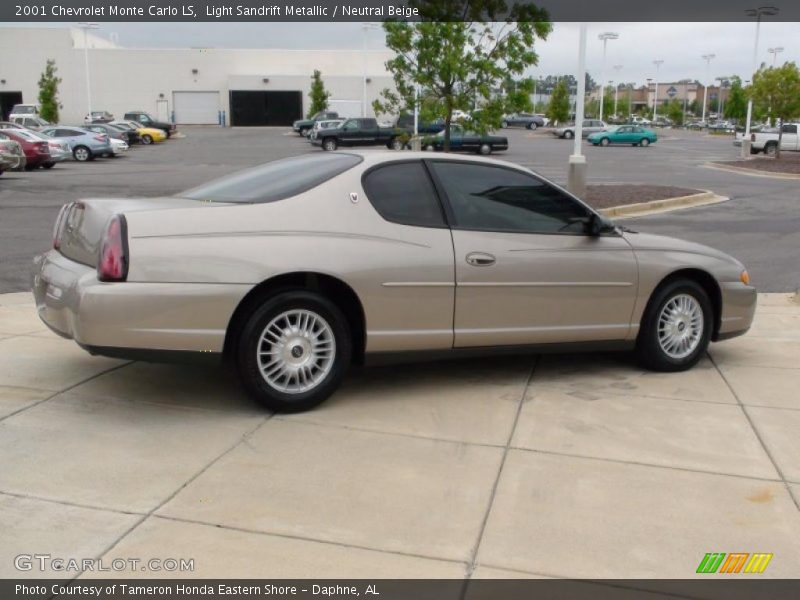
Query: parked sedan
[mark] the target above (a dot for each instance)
(624, 134)
(146, 135)
(85, 145)
(59, 150)
(98, 116)
(295, 269)
(462, 140)
(35, 148)
(33, 123)
(118, 132)
(526, 120)
(590, 126)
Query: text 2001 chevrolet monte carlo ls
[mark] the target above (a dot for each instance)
(299, 267)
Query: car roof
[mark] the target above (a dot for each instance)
(375, 157)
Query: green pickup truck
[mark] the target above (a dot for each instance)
(359, 132)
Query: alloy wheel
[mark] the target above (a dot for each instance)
(680, 326)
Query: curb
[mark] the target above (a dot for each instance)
(641, 209)
(751, 172)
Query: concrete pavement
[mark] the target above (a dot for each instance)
(557, 466)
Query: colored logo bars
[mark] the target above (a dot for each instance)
(735, 562)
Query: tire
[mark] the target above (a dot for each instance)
(396, 144)
(771, 149)
(147, 139)
(504, 124)
(651, 343)
(303, 131)
(282, 389)
(532, 126)
(330, 144)
(485, 149)
(568, 135)
(82, 153)
(48, 165)
(644, 143)
(605, 142)
(430, 148)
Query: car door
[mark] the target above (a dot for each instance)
(623, 135)
(526, 272)
(412, 280)
(790, 139)
(350, 132)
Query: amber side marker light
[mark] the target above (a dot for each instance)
(745, 277)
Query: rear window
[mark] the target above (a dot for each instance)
(276, 180)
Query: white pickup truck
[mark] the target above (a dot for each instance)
(767, 141)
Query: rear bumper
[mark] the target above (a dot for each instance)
(184, 317)
(738, 308)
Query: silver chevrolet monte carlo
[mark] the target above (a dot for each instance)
(297, 268)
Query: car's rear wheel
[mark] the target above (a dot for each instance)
(304, 131)
(568, 135)
(532, 125)
(676, 327)
(645, 142)
(294, 351)
(82, 153)
(771, 149)
(485, 149)
(330, 144)
(396, 144)
(147, 139)
(605, 142)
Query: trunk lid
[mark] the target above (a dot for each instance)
(81, 224)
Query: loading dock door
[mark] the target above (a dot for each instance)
(196, 108)
(7, 102)
(256, 108)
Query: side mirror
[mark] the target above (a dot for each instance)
(598, 225)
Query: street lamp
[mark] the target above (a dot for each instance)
(658, 64)
(86, 26)
(722, 85)
(576, 168)
(365, 27)
(761, 11)
(605, 36)
(707, 58)
(775, 51)
(617, 68)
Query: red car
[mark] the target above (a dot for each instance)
(37, 150)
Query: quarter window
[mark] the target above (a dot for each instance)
(403, 193)
(497, 199)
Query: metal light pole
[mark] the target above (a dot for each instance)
(721, 96)
(658, 64)
(576, 171)
(605, 36)
(775, 51)
(617, 68)
(707, 58)
(86, 26)
(365, 27)
(762, 11)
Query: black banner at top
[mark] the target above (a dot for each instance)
(379, 10)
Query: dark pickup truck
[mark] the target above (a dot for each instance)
(303, 126)
(147, 121)
(358, 132)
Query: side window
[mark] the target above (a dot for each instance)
(790, 129)
(487, 198)
(403, 193)
(351, 125)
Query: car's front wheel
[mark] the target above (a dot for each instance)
(568, 135)
(396, 144)
(294, 351)
(485, 149)
(504, 124)
(82, 153)
(329, 144)
(605, 142)
(147, 139)
(645, 142)
(676, 327)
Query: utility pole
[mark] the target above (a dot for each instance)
(605, 36)
(658, 64)
(707, 58)
(617, 68)
(86, 26)
(576, 171)
(762, 11)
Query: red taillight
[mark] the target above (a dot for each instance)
(752, 137)
(43, 147)
(113, 262)
(59, 227)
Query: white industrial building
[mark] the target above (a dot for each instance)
(187, 85)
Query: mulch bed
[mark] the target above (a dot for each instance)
(789, 162)
(606, 196)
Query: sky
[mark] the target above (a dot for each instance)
(679, 45)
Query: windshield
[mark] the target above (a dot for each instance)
(274, 181)
(24, 110)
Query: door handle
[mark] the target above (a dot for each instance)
(480, 259)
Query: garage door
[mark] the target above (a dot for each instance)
(196, 108)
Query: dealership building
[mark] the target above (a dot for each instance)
(190, 86)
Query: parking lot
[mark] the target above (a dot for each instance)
(759, 225)
(579, 466)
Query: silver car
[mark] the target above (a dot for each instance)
(590, 126)
(12, 158)
(84, 145)
(295, 269)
